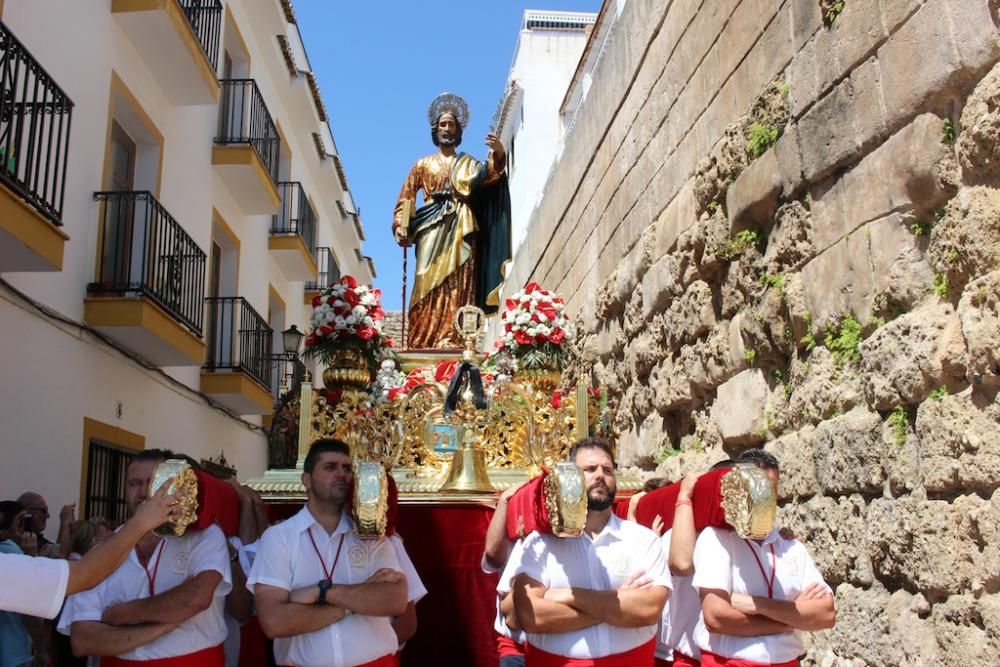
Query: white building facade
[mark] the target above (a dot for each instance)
(528, 121)
(170, 201)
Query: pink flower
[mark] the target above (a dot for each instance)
(556, 399)
(557, 336)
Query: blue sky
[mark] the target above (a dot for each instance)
(379, 64)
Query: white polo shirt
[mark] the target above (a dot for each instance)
(175, 560)
(680, 615)
(503, 588)
(601, 563)
(724, 561)
(286, 559)
(415, 588)
(32, 586)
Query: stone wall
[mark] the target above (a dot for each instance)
(779, 223)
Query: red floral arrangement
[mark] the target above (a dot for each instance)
(348, 315)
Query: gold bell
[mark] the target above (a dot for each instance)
(468, 470)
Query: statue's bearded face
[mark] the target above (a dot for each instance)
(447, 131)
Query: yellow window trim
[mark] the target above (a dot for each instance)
(107, 433)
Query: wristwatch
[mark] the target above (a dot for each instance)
(324, 586)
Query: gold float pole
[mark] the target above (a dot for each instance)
(305, 421)
(582, 418)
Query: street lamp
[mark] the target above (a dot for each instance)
(291, 338)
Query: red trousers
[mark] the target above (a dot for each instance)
(209, 657)
(640, 656)
(713, 660)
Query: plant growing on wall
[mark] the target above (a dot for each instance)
(843, 340)
(762, 136)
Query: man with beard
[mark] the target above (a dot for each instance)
(165, 603)
(594, 599)
(323, 594)
(461, 233)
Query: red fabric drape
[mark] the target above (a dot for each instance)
(455, 619)
(706, 502)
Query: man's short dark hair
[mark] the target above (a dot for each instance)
(654, 483)
(724, 463)
(324, 446)
(153, 455)
(458, 129)
(592, 443)
(9, 509)
(759, 458)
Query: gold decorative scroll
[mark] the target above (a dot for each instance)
(184, 482)
(566, 500)
(749, 501)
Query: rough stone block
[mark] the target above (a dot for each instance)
(671, 386)
(979, 142)
(904, 175)
(849, 275)
(798, 473)
(979, 312)
(710, 362)
(959, 446)
(869, 107)
(895, 12)
(789, 163)
(803, 88)
(739, 408)
(965, 243)
(975, 28)
(753, 198)
(834, 531)
(845, 452)
(678, 216)
(918, 63)
(661, 285)
(904, 360)
(927, 545)
(966, 629)
(689, 316)
(827, 135)
(855, 35)
(806, 20)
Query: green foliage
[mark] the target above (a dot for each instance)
(666, 453)
(876, 322)
(940, 285)
(922, 228)
(953, 255)
(832, 10)
(730, 179)
(809, 340)
(785, 88)
(948, 132)
(750, 355)
(777, 280)
(712, 206)
(761, 138)
(843, 340)
(899, 422)
(938, 394)
(738, 244)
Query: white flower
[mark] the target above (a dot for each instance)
(523, 318)
(525, 298)
(367, 321)
(329, 317)
(358, 312)
(351, 320)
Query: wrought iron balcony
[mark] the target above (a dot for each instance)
(296, 215)
(239, 339)
(145, 252)
(244, 119)
(35, 117)
(329, 272)
(205, 17)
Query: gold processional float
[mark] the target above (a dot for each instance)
(458, 430)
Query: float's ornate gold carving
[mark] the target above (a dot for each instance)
(749, 501)
(184, 483)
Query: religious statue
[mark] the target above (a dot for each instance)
(461, 233)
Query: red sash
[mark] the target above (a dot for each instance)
(391, 660)
(209, 657)
(681, 660)
(640, 656)
(713, 660)
(507, 646)
(253, 644)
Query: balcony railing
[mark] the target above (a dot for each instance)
(239, 339)
(244, 119)
(286, 376)
(296, 215)
(35, 119)
(144, 251)
(328, 272)
(205, 17)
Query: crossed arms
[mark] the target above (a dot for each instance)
(751, 616)
(284, 613)
(129, 625)
(541, 610)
